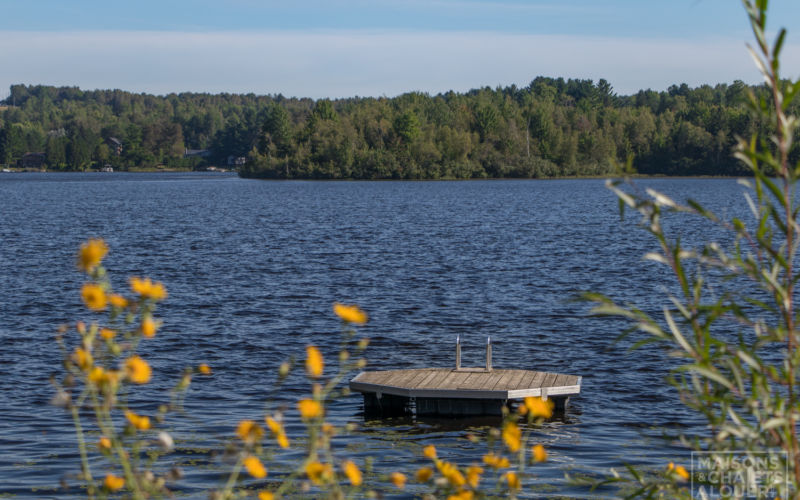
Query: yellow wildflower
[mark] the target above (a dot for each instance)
(512, 436)
(310, 408)
(265, 495)
(103, 379)
(277, 430)
(81, 327)
(149, 327)
(83, 359)
(314, 362)
(319, 473)
(91, 254)
(273, 425)
(539, 407)
(350, 313)
(140, 286)
(282, 440)
(451, 473)
(679, 470)
(104, 443)
(462, 495)
(495, 461)
(148, 289)
(539, 453)
(352, 472)
(204, 369)
(107, 333)
(424, 474)
(97, 375)
(398, 479)
(158, 291)
(513, 480)
(474, 476)
(429, 452)
(137, 370)
(113, 483)
(254, 467)
(249, 431)
(94, 296)
(118, 301)
(140, 422)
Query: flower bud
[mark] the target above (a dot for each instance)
(165, 441)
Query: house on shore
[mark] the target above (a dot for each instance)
(33, 160)
(236, 161)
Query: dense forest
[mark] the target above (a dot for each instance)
(552, 127)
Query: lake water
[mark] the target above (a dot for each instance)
(252, 268)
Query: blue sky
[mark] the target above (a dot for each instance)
(340, 48)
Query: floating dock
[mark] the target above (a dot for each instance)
(459, 391)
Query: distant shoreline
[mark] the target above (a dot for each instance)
(136, 171)
(552, 128)
(455, 179)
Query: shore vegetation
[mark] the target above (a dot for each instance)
(551, 127)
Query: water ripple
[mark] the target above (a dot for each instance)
(253, 267)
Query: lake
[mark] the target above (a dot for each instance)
(253, 267)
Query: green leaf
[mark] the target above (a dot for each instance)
(677, 333)
(762, 67)
(710, 374)
(774, 422)
(773, 188)
(776, 50)
(702, 210)
(747, 358)
(656, 257)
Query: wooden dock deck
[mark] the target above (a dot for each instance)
(459, 391)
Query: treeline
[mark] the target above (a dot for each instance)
(75, 128)
(552, 127)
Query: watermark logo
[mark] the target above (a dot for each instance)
(740, 474)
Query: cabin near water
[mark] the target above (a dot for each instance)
(33, 160)
(459, 391)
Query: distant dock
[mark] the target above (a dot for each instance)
(459, 391)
